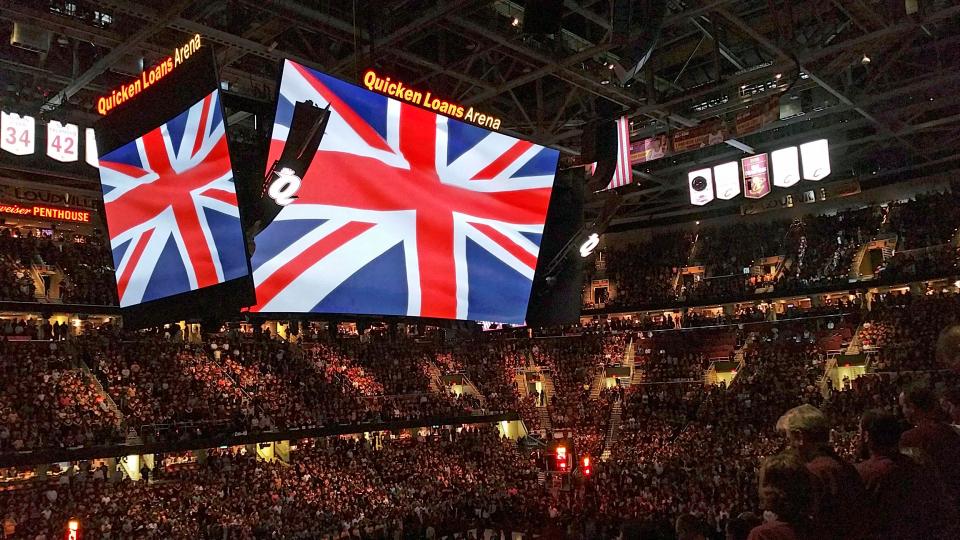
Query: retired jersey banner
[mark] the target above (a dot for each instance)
(756, 178)
(17, 133)
(171, 207)
(403, 211)
(63, 141)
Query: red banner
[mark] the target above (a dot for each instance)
(706, 134)
(648, 149)
(756, 178)
(756, 117)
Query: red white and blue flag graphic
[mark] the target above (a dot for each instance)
(403, 212)
(171, 208)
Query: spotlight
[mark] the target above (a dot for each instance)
(515, 22)
(777, 76)
(865, 60)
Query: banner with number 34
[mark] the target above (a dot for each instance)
(17, 133)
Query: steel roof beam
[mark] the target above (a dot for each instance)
(115, 55)
(812, 56)
(772, 47)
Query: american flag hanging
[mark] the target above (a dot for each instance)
(623, 174)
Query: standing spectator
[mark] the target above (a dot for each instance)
(838, 488)
(903, 500)
(951, 405)
(690, 527)
(948, 347)
(932, 435)
(786, 496)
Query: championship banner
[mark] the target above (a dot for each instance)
(706, 134)
(756, 179)
(756, 117)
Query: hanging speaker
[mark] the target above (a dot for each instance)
(636, 25)
(603, 146)
(542, 16)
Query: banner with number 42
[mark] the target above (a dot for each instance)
(62, 141)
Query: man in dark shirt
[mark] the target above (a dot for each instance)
(932, 436)
(838, 490)
(905, 500)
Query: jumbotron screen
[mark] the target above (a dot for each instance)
(171, 207)
(402, 212)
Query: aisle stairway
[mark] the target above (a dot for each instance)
(597, 385)
(613, 431)
(629, 360)
(548, 388)
(520, 379)
(101, 391)
(545, 423)
(434, 373)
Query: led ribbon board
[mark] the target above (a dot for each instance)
(148, 78)
(399, 90)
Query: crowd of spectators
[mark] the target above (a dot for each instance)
(813, 252)
(48, 402)
(901, 329)
(424, 487)
(683, 449)
(644, 272)
(84, 262)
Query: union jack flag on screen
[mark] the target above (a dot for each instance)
(403, 212)
(171, 208)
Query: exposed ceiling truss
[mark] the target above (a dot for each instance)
(897, 112)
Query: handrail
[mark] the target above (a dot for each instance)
(40, 457)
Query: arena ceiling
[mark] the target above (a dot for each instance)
(893, 117)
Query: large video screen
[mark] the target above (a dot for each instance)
(402, 212)
(171, 207)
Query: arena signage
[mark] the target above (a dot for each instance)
(149, 77)
(31, 193)
(47, 212)
(400, 90)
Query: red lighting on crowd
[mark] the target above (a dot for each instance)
(73, 529)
